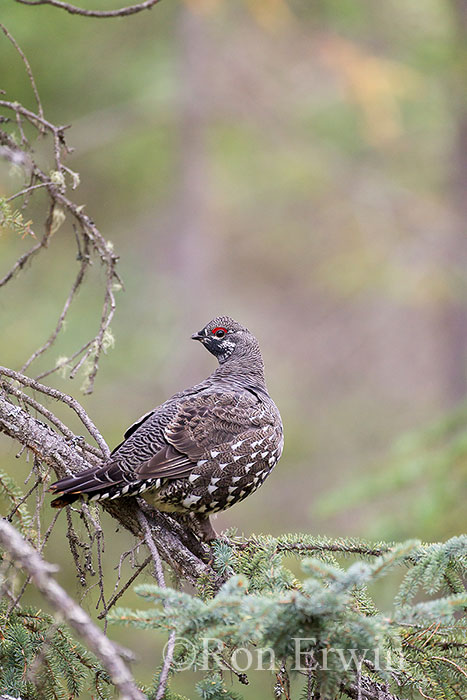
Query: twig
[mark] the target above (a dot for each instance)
(48, 532)
(74, 543)
(331, 547)
(66, 399)
(73, 10)
(74, 289)
(161, 581)
(108, 311)
(98, 536)
(52, 418)
(148, 538)
(18, 505)
(93, 241)
(28, 68)
(37, 119)
(449, 661)
(40, 572)
(14, 601)
(22, 260)
(26, 190)
(77, 366)
(125, 587)
(12, 497)
(67, 360)
(131, 553)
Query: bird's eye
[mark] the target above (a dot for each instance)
(219, 332)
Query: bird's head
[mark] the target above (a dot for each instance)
(224, 338)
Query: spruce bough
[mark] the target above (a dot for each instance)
(321, 628)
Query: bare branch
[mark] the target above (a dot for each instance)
(73, 10)
(37, 119)
(23, 259)
(26, 190)
(40, 572)
(22, 500)
(152, 548)
(124, 588)
(66, 399)
(27, 66)
(108, 311)
(10, 389)
(164, 674)
(74, 289)
(86, 349)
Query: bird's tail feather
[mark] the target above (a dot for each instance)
(87, 482)
(64, 500)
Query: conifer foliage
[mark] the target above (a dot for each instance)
(322, 627)
(40, 659)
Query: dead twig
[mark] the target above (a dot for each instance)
(73, 10)
(64, 398)
(85, 262)
(23, 259)
(27, 66)
(90, 240)
(111, 602)
(52, 418)
(159, 572)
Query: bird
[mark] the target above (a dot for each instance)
(205, 448)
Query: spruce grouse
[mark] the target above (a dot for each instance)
(205, 448)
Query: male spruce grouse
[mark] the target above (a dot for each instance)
(205, 448)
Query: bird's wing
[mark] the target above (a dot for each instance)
(199, 422)
(133, 427)
(202, 422)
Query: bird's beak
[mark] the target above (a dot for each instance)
(197, 336)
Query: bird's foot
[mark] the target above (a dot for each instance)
(204, 529)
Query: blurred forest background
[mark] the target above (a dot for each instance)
(302, 167)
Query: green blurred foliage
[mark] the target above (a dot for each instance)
(424, 475)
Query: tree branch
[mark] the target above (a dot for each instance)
(164, 674)
(65, 398)
(338, 547)
(25, 556)
(367, 689)
(177, 545)
(23, 259)
(73, 10)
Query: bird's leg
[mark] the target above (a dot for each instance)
(204, 528)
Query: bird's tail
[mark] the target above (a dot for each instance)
(64, 500)
(88, 482)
